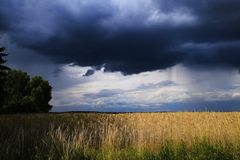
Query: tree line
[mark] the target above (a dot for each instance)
(20, 93)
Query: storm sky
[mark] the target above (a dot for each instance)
(128, 55)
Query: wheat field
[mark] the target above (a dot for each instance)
(182, 135)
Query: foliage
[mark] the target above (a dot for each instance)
(24, 94)
(3, 72)
(20, 93)
(40, 92)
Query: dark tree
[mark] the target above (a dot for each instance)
(24, 94)
(3, 73)
(40, 91)
(15, 89)
(20, 93)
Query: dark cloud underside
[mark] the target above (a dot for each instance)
(98, 33)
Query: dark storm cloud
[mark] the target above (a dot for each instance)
(3, 24)
(155, 35)
(89, 72)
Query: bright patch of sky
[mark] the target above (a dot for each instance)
(173, 85)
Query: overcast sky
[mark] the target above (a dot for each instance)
(128, 55)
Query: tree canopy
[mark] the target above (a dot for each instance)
(3, 73)
(25, 94)
(19, 93)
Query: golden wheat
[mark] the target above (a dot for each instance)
(61, 135)
(149, 130)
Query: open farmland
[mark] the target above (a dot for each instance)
(66, 136)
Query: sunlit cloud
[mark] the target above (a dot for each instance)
(174, 85)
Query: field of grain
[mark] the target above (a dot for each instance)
(120, 136)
